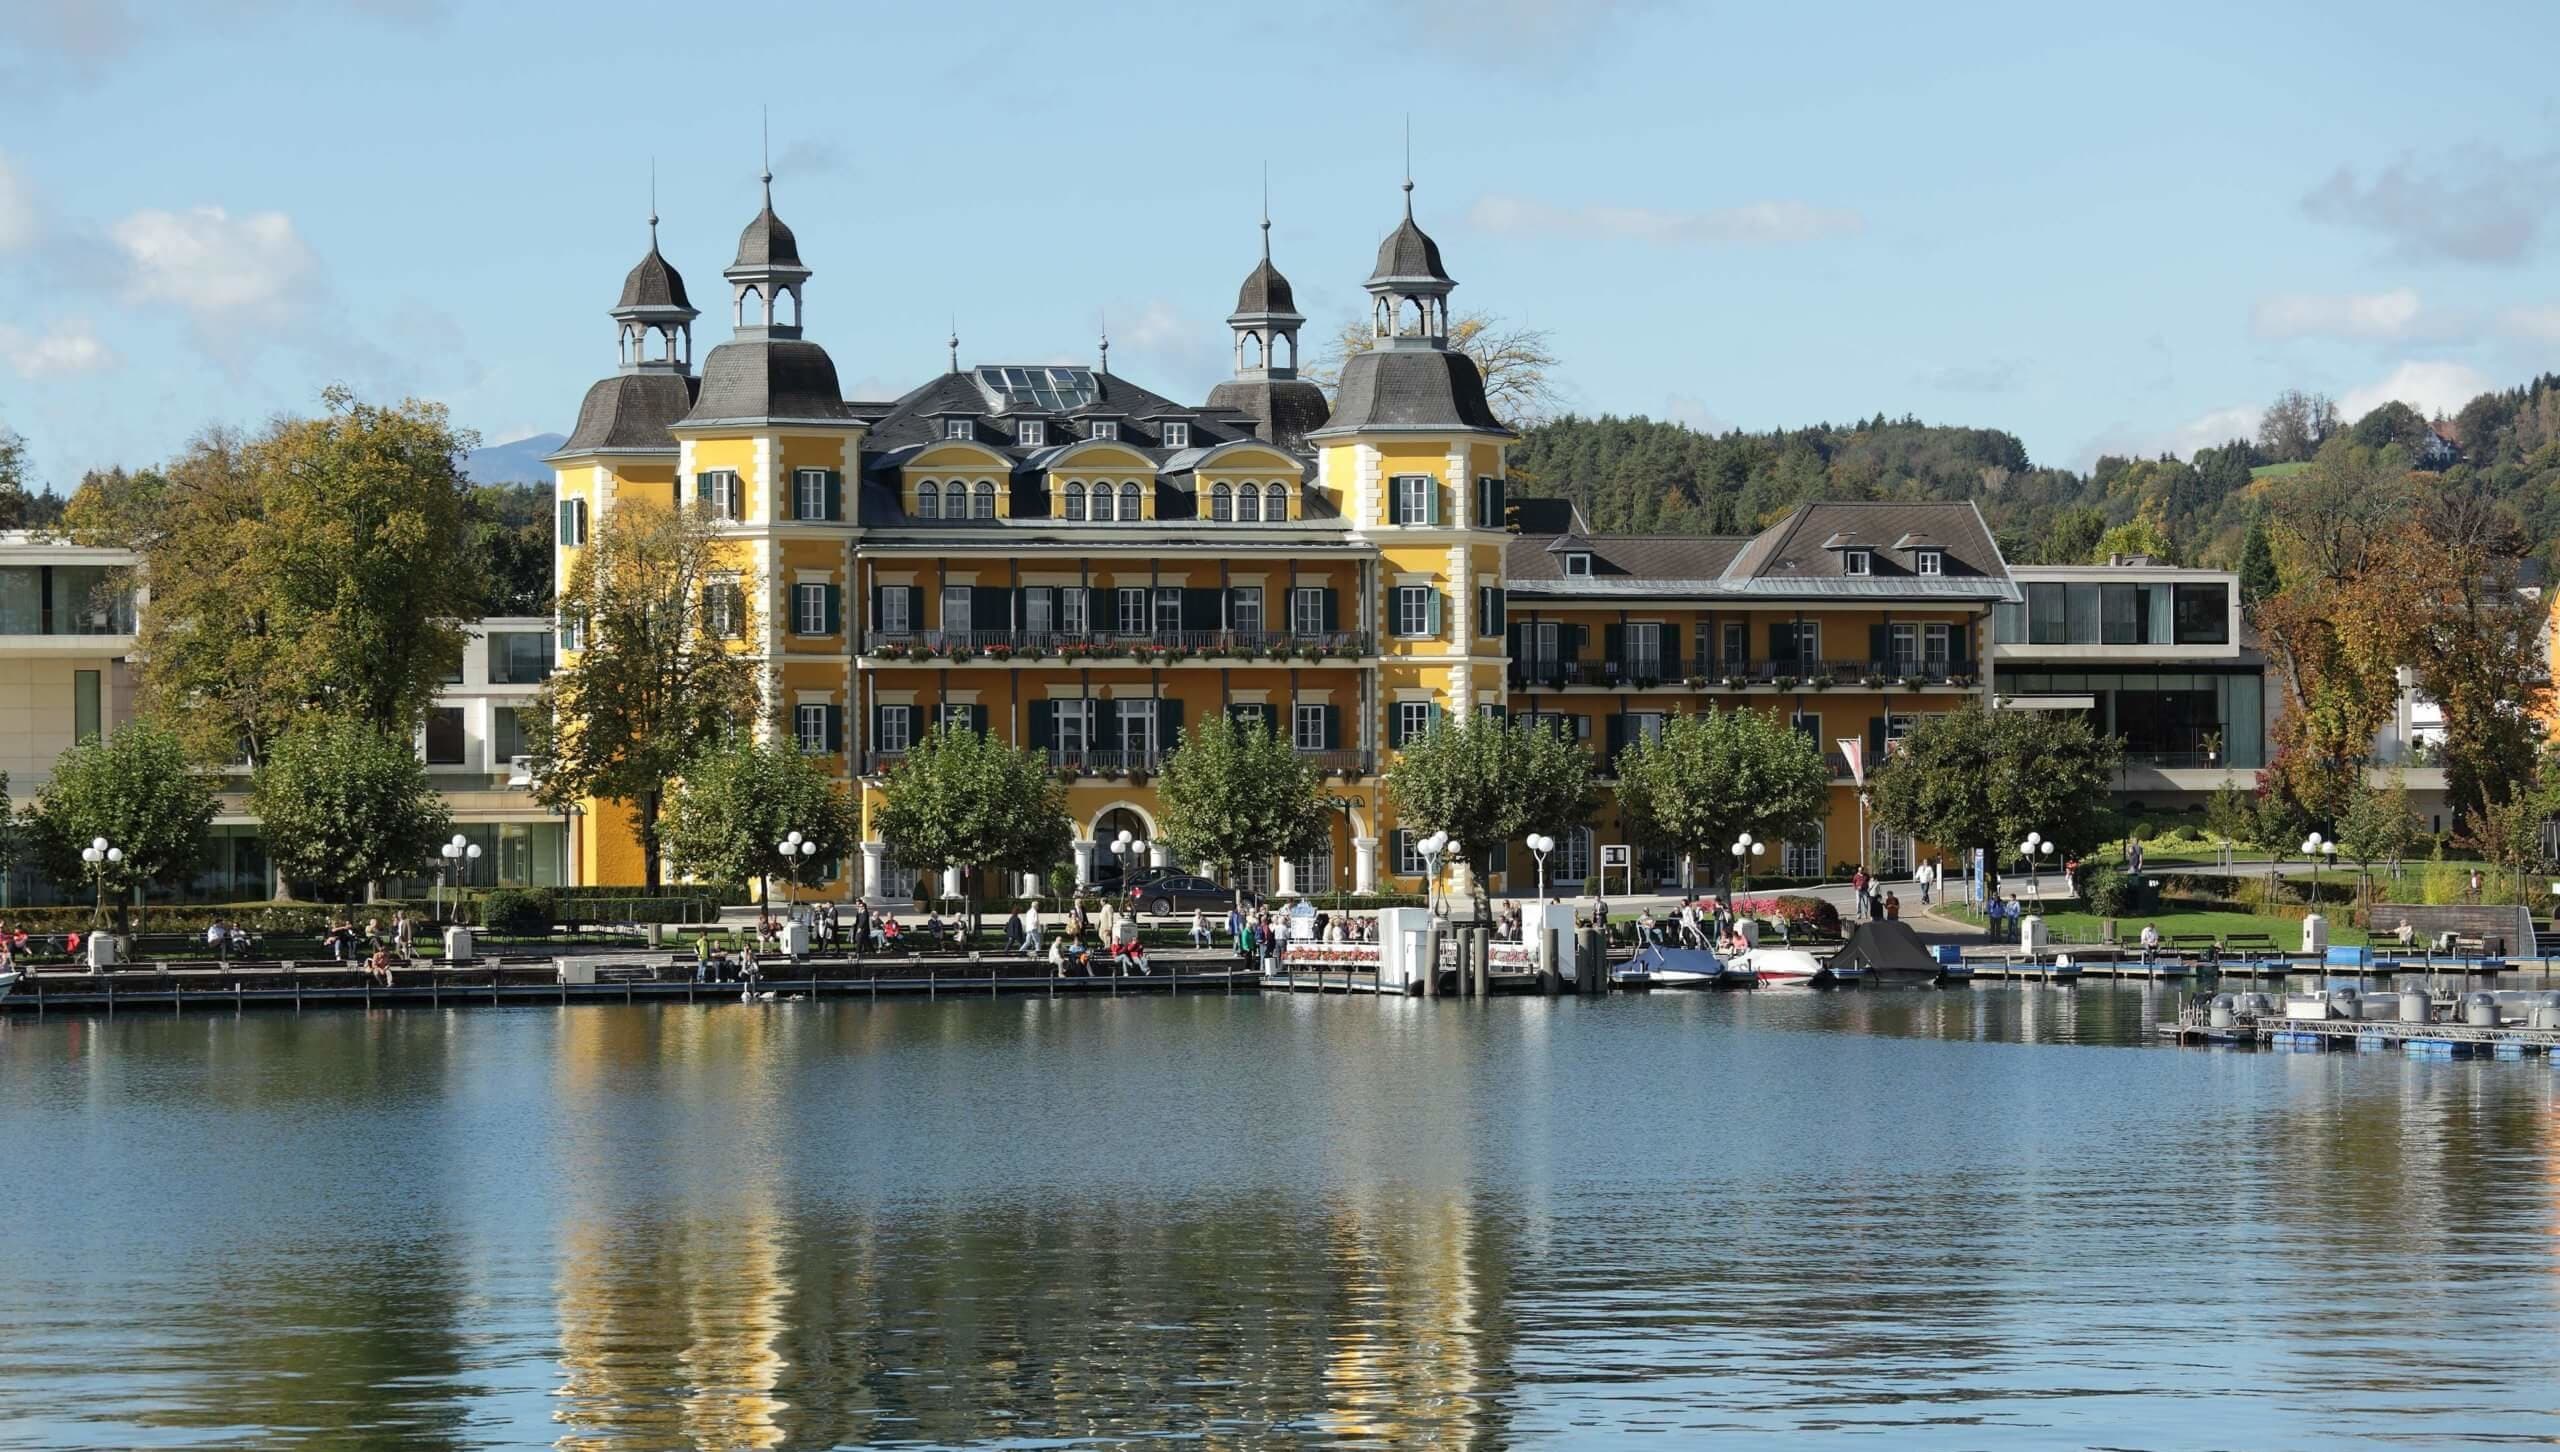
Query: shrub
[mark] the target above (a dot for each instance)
(2109, 890)
(517, 912)
(1806, 916)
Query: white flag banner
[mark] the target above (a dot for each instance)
(1856, 751)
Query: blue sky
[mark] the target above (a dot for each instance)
(2119, 232)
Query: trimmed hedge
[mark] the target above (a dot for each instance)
(517, 911)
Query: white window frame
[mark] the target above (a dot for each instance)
(809, 493)
(1130, 610)
(1643, 648)
(1138, 718)
(1168, 603)
(1177, 435)
(1248, 504)
(1929, 562)
(1857, 563)
(1275, 504)
(1031, 433)
(1937, 647)
(928, 499)
(1073, 611)
(1902, 647)
(1133, 502)
(726, 493)
(959, 714)
(1039, 610)
(1409, 863)
(1577, 564)
(959, 428)
(893, 611)
(1306, 610)
(725, 620)
(1645, 726)
(1103, 494)
(809, 609)
(1244, 600)
(575, 511)
(1071, 727)
(809, 726)
(897, 729)
(1413, 612)
(1413, 498)
(1075, 499)
(572, 632)
(1106, 430)
(1306, 727)
(1805, 859)
(982, 499)
(966, 597)
(1222, 504)
(1413, 718)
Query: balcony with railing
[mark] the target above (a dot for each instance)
(1165, 647)
(1709, 672)
(1112, 761)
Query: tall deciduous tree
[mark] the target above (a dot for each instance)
(2474, 638)
(659, 673)
(344, 806)
(136, 790)
(740, 798)
(1487, 782)
(2295, 426)
(2378, 825)
(1235, 794)
(320, 566)
(1985, 777)
(960, 799)
(1711, 777)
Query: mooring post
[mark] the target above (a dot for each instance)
(1431, 960)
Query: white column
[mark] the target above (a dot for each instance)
(875, 856)
(951, 882)
(1288, 878)
(1364, 864)
(1159, 855)
(1084, 861)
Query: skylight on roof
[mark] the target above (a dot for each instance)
(1054, 389)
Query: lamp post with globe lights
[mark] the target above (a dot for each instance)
(1745, 848)
(1130, 850)
(795, 849)
(2317, 847)
(99, 856)
(458, 854)
(1431, 849)
(1541, 844)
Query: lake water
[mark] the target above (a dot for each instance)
(1995, 1217)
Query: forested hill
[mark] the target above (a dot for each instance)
(1641, 475)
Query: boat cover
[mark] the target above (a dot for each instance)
(1885, 946)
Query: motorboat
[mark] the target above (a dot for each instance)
(1792, 968)
(8, 979)
(1655, 966)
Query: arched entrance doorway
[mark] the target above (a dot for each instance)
(1108, 865)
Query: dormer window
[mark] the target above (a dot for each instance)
(1031, 433)
(958, 428)
(1929, 562)
(1177, 436)
(1577, 564)
(1857, 562)
(1107, 430)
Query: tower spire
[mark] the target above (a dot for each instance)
(1266, 211)
(1105, 320)
(1408, 166)
(955, 342)
(653, 204)
(765, 155)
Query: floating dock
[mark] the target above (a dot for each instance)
(2196, 1025)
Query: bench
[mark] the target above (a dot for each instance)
(627, 972)
(2250, 943)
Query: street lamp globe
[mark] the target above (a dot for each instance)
(98, 843)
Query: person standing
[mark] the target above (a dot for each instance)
(1858, 884)
(1031, 928)
(861, 926)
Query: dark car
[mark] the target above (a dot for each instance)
(1180, 892)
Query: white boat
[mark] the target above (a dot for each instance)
(8, 979)
(1658, 967)
(1785, 967)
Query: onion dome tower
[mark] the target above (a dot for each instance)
(1410, 379)
(767, 372)
(653, 327)
(1284, 407)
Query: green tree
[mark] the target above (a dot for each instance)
(320, 566)
(135, 789)
(346, 806)
(960, 799)
(1711, 777)
(15, 506)
(2231, 813)
(1986, 777)
(1235, 794)
(2073, 536)
(2258, 577)
(2378, 825)
(741, 797)
(2140, 535)
(659, 672)
(1487, 783)
(511, 534)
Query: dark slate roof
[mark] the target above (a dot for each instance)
(1265, 291)
(655, 283)
(1546, 516)
(769, 378)
(1409, 252)
(1806, 545)
(1284, 411)
(767, 242)
(629, 412)
(916, 419)
(1418, 389)
(1630, 558)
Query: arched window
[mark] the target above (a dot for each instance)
(1275, 504)
(1249, 503)
(928, 500)
(1102, 500)
(1075, 500)
(1129, 500)
(1222, 502)
(982, 504)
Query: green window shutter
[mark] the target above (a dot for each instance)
(676, 493)
(1782, 643)
(835, 728)
(1104, 729)
(1042, 725)
(1672, 666)
(978, 719)
(1431, 716)
(1168, 723)
(1960, 646)
(915, 607)
(1332, 610)
(835, 494)
(1613, 648)
(1877, 640)
(1431, 613)
(1875, 754)
(1431, 502)
(835, 610)
(1333, 728)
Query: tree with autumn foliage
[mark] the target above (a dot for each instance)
(1518, 363)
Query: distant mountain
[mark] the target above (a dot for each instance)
(516, 463)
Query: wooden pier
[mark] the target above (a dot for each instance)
(296, 986)
(2195, 1026)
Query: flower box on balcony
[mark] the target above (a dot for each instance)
(1735, 683)
(1784, 683)
(999, 652)
(890, 650)
(961, 654)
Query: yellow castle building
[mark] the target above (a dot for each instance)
(1062, 558)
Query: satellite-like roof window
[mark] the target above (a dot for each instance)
(1857, 562)
(1929, 562)
(1031, 433)
(1106, 429)
(1577, 564)
(1052, 390)
(958, 428)
(1177, 436)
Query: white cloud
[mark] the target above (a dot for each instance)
(2378, 316)
(17, 209)
(2471, 204)
(1765, 222)
(215, 266)
(2540, 323)
(66, 347)
(2206, 430)
(1689, 409)
(2430, 386)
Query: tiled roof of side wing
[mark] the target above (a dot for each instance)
(1623, 557)
(1808, 544)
